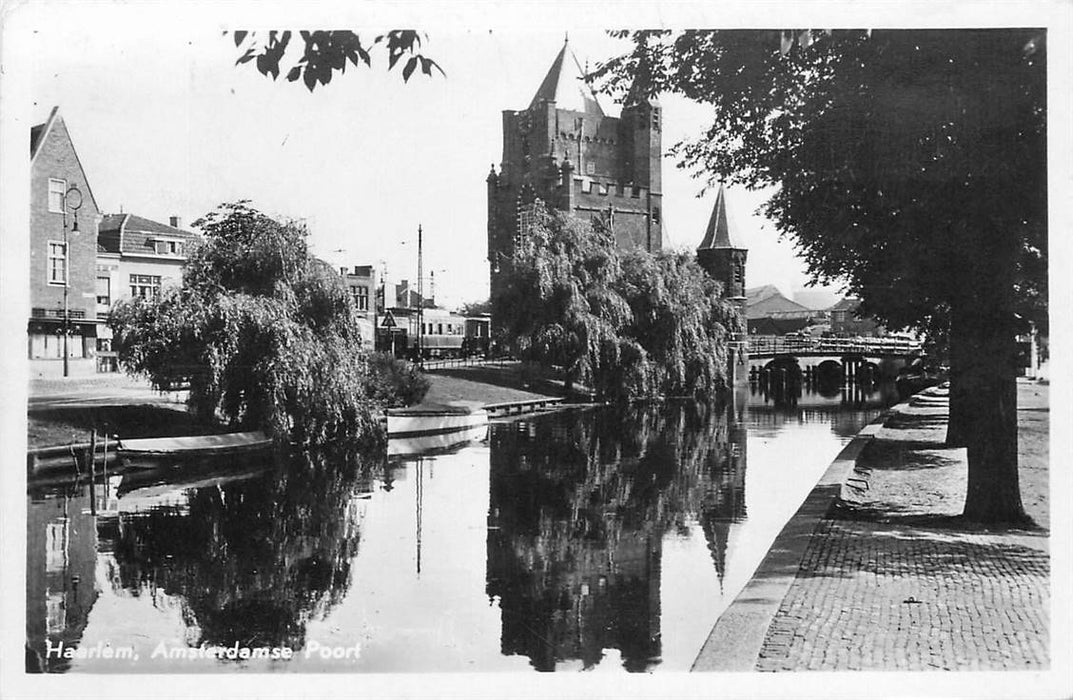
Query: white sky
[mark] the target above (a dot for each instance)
(166, 124)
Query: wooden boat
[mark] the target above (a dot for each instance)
(434, 419)
(194, 444)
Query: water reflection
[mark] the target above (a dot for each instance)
(247, 560)
(574, 540)
(577, 516)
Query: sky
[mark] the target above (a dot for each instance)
(166, 124)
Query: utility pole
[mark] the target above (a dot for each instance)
(420, 301)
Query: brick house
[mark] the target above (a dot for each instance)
(63, 252)
(135, 257)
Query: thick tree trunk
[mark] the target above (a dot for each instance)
(960, 405)
(987, 376)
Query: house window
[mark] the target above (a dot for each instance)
(166, 247)
(145, 286)
(57, 262)
(55, 546)
(104, 291)
(361, 298)
(655, 215)
(56, 190)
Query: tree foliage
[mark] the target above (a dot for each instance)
(629, 324)
(324, 52)
(265, 334)
(909, 164)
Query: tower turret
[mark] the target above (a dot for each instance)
(724, 261)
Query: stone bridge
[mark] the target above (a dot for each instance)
(847, 358)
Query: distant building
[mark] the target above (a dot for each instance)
(361, 283)
(844, 320)
(63, 250)
(768, 302)
(136, 257)
(566, 152)
(407, 296)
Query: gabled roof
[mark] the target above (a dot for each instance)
(40, 133)
(717, 234)
(134, 235)
(846, 304)
(755, 294)
(565, 85)
(37, 133)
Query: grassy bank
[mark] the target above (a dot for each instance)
(129, 408)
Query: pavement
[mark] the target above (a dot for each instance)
(877, 571)
(102, 389)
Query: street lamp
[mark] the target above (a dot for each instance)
(72, 199)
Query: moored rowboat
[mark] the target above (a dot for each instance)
(433, 419)
(195, 444)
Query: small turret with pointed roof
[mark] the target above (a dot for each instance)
(718, 254)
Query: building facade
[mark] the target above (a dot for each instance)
(136, 257)
(564, 151)
(63, 249)
(360, 281)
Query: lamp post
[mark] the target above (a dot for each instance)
(72, 199)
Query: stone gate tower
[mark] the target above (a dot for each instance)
(563, 150)
(724, 260)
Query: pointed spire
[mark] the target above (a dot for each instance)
(565, 85)
(718, 233)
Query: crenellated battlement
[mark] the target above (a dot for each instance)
(611, 190)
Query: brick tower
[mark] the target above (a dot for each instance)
(724, 261)
(563, 150)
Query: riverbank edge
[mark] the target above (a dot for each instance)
(738, 635)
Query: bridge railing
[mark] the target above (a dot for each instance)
(780, 345)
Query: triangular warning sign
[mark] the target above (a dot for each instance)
(389, 320)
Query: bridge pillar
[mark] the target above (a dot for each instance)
(738, 361)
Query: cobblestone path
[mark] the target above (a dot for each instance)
(893, 580)
(883, 596)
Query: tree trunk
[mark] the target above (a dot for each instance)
(960, 401)
(987, 376)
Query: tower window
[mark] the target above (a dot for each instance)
(655, 120)
(655, 215)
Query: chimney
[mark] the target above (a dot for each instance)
(176, 222)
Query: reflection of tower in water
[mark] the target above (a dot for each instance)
(573, 554)
(724, 494)
(579, 505)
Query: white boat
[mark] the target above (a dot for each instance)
(438, 443)
(195, 444)
(434, 419)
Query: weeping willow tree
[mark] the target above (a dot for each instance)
(629, 324)
(264, 333)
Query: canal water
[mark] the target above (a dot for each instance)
(589, 539)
